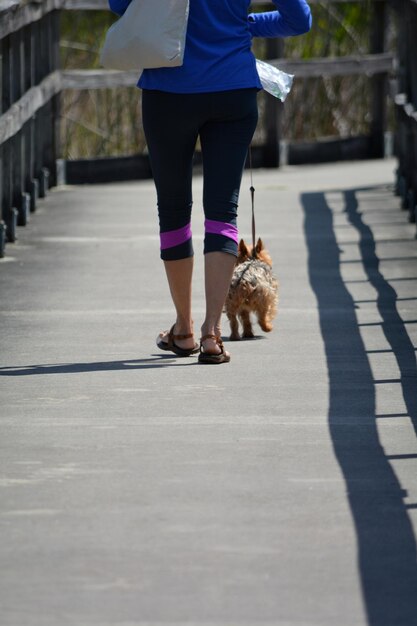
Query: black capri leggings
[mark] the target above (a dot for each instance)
(225, 122)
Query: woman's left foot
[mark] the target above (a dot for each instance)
(168, 341)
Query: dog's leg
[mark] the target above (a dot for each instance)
(246, 323)
(264, 319)
(234, 327)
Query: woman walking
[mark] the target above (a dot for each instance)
(213, 96)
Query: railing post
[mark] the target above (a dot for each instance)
(54, 141)
(41, 116)
(9, 88)
(37, 139)
(379, 83)
(273, 112)
(400, 139)
(406, 107)
(28, 79)
(29, 128)
(412, 121)
(19, 198)
(2, 223)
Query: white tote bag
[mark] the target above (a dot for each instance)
(150, 34)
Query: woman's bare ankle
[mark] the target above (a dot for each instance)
(184, 326)
(209, 327)
(210, 344)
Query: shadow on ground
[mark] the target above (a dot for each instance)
(156, 361)
(386, 542)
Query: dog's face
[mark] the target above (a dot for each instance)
(246, 252)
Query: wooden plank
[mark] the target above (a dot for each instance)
(14, 16)
(341, 66)
(368, 64)
(135, 167)
(87, 5)
(107, 169)
(329, 150)
(98, 79)
(21, 111)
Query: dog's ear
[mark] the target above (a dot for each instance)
(259, 246)
(242, 250)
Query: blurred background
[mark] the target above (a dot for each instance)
(108, 121)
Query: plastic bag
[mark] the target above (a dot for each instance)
(273, 80)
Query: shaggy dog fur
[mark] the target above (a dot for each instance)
(253, 289)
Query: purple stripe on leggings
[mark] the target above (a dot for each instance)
(173, 238)
(221, 228)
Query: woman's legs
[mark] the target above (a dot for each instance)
(171, 135)
(224, 141)
(218, 273)
(179, 274)
(226, 122)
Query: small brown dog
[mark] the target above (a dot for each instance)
(253, 289)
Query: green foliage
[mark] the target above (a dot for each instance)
(82, 34)
(95, 122)
(338, 30)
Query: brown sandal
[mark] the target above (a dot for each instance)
(171, 346)
(212, 357)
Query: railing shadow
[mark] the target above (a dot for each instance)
(392, 324)
(386, 542)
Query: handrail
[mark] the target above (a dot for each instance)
(13, 120)
(369, 64)
(16, 15)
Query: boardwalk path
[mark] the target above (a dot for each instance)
(281, 489)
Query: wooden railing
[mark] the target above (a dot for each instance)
(377, 65)
(405, 95)
(32, 81)
(30, 84)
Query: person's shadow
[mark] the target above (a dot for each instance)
(155, 361)
(387, 557)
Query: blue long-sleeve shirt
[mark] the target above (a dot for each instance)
(218, 54)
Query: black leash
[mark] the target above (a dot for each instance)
(252, 193)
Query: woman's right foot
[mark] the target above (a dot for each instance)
(211, 346)
(212, 350)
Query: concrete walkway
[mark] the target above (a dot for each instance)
(137, 489)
